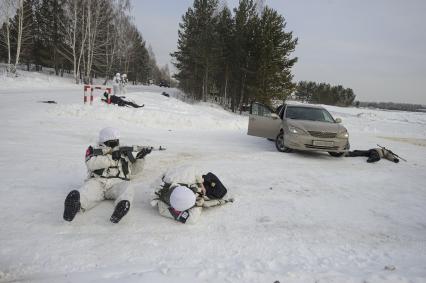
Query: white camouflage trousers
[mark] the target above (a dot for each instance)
(96, 190)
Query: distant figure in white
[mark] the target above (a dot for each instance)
(110, 168)
(116, 84)
(124, 82)
(182, 194)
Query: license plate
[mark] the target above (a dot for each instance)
(323, 143)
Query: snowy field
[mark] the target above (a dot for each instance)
(298, 217)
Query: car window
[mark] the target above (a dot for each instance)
(308, 113)
(260, 110)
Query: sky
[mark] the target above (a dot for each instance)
(376, 47)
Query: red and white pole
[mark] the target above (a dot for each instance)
(85, 93)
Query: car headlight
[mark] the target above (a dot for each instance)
(343, 135)
(296, 130)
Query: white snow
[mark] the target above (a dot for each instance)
(297, 217)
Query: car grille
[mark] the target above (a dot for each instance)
(321, 147)
(322, 134)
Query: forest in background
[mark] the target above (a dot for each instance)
(236, 57)
(87, 38)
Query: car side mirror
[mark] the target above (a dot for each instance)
(338, 120)
(274, 116)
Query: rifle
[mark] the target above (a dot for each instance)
(217, 202)
(391, 152)
(139, 148)
(127, 150)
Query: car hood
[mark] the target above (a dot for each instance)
(316, 126)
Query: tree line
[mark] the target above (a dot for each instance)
(324, 93)
(88, 38)
(235, 57)
(392, 106)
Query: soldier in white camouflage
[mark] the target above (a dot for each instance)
(110, 168)
(182, 194)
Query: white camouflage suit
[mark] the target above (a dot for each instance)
(116, 84)
(189, 176)
(123, 85)
(106, 177)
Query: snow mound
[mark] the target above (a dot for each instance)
(381, 122)
(159, 112)
(36, 80)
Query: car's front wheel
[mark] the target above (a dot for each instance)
(279, 143)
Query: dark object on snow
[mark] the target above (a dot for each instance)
(48, 101)
(120, 101)
(120, 210)
(165, 94)
(214, 187)
(390, 267)
(72, 205)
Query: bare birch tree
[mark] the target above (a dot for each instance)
(20, 31)
(7, 11)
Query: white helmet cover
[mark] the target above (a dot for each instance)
(108, 133)
(182, 198)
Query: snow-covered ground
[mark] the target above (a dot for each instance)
(298, 217)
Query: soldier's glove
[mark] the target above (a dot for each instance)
(144, 152)
(116, 155)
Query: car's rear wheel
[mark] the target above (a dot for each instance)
(279, 143)
(336, 154)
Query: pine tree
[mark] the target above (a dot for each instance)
(225, 33)
(28, 46)
(195, 58)
(273, 78)
(243, 51)
(325, 93)
(51, 33)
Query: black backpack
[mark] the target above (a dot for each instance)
(214, 187)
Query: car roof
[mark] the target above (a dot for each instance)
(300, 104)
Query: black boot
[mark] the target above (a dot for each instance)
(120, 210)
(72, 205)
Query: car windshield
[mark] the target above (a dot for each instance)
(308, 113)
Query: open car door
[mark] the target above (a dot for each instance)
(263, 122)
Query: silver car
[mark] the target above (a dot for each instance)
(299, 127)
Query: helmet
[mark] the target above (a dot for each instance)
(124, 76)
(108, 134)
(182, 198)
(117, 75)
